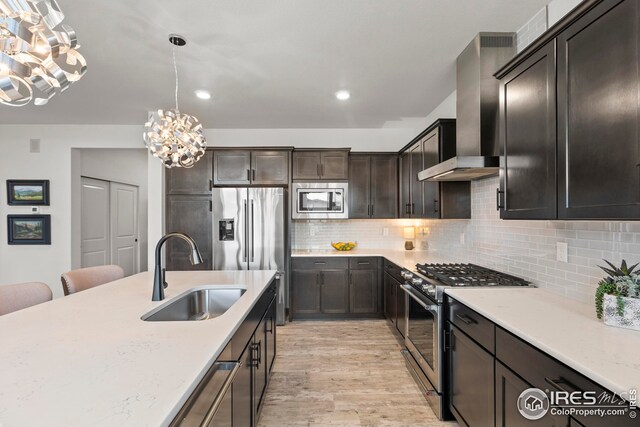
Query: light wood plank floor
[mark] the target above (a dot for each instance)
(342, 373)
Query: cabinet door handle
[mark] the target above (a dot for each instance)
(413, 208)
(498, 204)
(318, 170)
(372, 209)
(210, 185)
(363, 263)
(210, 205)
(248, 174)
(319, 263)
(351, 278)
(556, 384)
(466, 319)
(253, 174)
(435, 205)
(321, 169)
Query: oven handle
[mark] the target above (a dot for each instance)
(409, 291)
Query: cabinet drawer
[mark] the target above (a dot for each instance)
(544, 372)
(393, 270)
(473, 324)
(323, 263)
(363, 263)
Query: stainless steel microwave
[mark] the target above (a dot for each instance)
(320, 200)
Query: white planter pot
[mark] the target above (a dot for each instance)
(631, 317)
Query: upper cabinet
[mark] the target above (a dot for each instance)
(256, 167)
(320, 165)
(193, 181)
(590, 168)
(432, 199)
(373, 186)
(528, 138)
(598, 114)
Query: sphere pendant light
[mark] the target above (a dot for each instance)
(38, 53)
(177, 139)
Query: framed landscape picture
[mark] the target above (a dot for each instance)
(28, 192)
(29, 229)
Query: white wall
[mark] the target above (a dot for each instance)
(557, 9)
(356, 139)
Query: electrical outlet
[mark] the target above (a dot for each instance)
(385, 231)
(462, 238)
(562, 252)
(312, 231)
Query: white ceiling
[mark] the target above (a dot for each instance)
(270, 63)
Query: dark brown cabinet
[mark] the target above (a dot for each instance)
(363, 291)
(471, 391)
(447, 200)
(329, 165)
(570, 127)
(390, 289)
(190, 215)
(335, 287)
(599, 113)
(256, 167)
(405, 185)
(305, 292)
(373, 186)
(249, 355)
(488, 368)
(508, 389)
(401, 310)
(334, 292)
(191, 181)
(528, 138)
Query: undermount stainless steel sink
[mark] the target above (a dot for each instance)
(198, 304)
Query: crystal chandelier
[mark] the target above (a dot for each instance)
(38, 56)
(175, 138)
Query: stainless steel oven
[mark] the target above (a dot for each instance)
(320, 200)
(424, 326)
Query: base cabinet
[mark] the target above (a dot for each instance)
(471, 380)
(232, 392)
(335, 287)
(488, 369)
(508, 389)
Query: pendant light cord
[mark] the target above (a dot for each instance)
(175, 69)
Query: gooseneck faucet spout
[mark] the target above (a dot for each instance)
(159, 282)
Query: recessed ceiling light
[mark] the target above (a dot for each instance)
(343, 95)
(203, 94)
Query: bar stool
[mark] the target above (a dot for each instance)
(86, 278)
(22, 295)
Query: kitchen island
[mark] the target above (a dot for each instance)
(89, 359)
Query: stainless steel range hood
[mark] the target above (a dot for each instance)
(477, 104)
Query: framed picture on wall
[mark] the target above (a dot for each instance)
(29, 229)
(28, 192)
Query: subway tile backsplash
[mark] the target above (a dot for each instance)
(523, 248)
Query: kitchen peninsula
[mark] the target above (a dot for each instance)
(89, 359)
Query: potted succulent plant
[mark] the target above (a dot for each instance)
(618, 296)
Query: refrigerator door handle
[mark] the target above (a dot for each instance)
(252, 234)
(246, 220)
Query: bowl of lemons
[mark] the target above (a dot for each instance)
(343, 246)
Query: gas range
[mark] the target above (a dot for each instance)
(432, 279)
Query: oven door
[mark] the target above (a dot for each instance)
(320, 201)
(423, 334)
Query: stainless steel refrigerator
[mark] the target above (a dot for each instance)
(249, 234)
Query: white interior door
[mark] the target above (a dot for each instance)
(124, 227)
(95, 239)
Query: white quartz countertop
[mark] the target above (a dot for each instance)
(404, 259)
(565, 329)
(89, 360)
